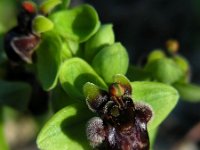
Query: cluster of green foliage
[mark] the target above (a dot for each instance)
(77, 48)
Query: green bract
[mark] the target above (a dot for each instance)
(161, 97)
(15, 94)
(111, 60)
(77, 24)
(42, 24)
(49, 59)
(164, 70)
(74, 73)
(104, 36)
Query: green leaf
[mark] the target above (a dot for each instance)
(189, 92)
(15, 94)
(74, 73)
(161, 97)
(111, 60)
(49, 60)
(104, 36)
(42, 24)
(66, 130)
(77, 24)
(48, 5)
(164, 70)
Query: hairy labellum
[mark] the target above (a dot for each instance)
(122, 124)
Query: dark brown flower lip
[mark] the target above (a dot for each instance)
(124, 121)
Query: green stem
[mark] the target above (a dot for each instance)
(3, 143)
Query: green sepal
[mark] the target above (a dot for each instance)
(103, 37)
(74, 73)
(48, 5)
(42, 24)
(111, 60)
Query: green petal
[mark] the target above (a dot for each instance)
(161, 97)
(77, 24)
(122, 80)
(49, 60)
(74, 73)
(119, 78)
(111, 60)
(66, 130)
(90, 90)
(93, 95)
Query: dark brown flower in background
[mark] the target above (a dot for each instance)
(21, 41)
